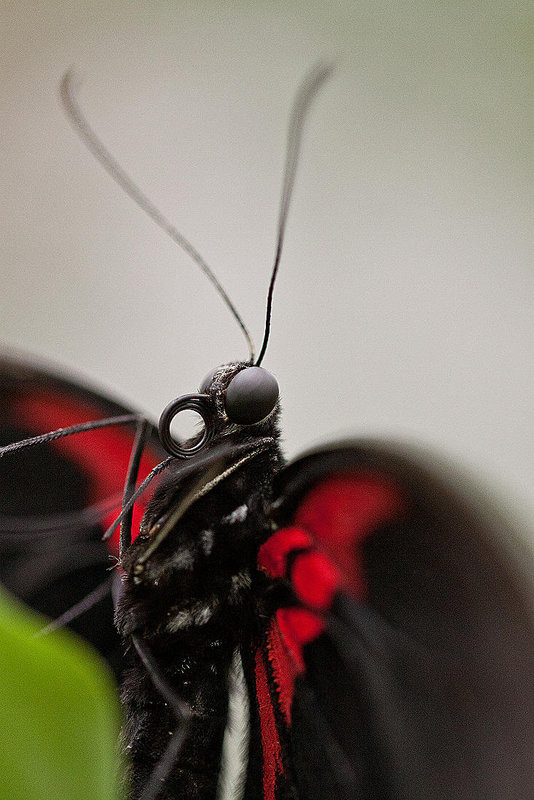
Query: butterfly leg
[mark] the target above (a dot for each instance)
(78, 608)
(138, 492)
(141, 436)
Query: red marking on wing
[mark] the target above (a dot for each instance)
(329, 529)
(298, 626)
(340, 513)
(286, 668)
(273, 553)
(315, 580)
(270, 741)
(103, 455)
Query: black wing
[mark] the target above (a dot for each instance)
(57, 499)
(411, 645)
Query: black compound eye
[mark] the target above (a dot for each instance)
(206, 383)
(251, 396)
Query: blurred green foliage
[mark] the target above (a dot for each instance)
(59, 715)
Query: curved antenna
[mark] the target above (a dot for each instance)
(113, 168)
(301, 105)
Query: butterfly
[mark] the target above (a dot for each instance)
(361, 610)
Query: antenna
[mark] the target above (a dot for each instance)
(301, 105)
(113, 168)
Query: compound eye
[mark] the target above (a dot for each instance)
(251, 396)
(206, 383)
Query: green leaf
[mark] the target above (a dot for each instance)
(59, 716)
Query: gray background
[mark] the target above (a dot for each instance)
(404, 305)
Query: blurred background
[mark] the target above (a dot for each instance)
(404, 306)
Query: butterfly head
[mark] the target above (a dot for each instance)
(231, 396)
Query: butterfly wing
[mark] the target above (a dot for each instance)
(58, 498)
(404, 668)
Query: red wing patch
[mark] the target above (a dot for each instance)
(298, 626)
(272, 556)
(102, 455)
(339, 514)
(315, 580)
(320, 554)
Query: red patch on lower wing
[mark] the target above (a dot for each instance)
(286, 668)
(298, 626)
